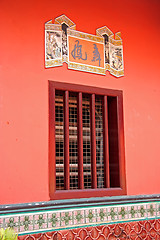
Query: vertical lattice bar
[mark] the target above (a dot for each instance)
(59, 140)
(80, 143)
(93, 143)
(66, 140)
(86, 142)
(73, 150)
(106, 147)
(99, 141)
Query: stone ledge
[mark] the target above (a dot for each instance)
(68, 203)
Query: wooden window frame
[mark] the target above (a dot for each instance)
(94, 192)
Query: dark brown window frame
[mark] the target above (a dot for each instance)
(94, 192)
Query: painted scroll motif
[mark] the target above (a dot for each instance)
(82, 51)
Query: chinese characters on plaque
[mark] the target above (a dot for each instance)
(82, 51)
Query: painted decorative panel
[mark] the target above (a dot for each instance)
(82, 51)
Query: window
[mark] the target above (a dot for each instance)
(86, 142)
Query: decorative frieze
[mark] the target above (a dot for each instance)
(82, 51)
(70, 217)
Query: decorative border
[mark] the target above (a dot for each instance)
(86, 68)
(85, 36)
(79, 217)
(113, 47)
(64, 19)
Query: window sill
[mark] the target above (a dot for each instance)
(87, 193)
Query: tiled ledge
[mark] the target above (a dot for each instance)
(38, 217)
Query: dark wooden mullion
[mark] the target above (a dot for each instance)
(93, 143)
(80, 142)
(66, 141)
(121, 141)
(52, 160)
(106, 145)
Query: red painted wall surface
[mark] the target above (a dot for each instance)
(24, 90)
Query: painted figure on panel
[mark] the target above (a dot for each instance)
(116, 57)
(53, 45)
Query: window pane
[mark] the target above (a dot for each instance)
(73, 147)
(86, 141)
(113, 142)
(73, 156)
(59, 130)
(99, 142)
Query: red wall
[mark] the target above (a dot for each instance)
(24, 90)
